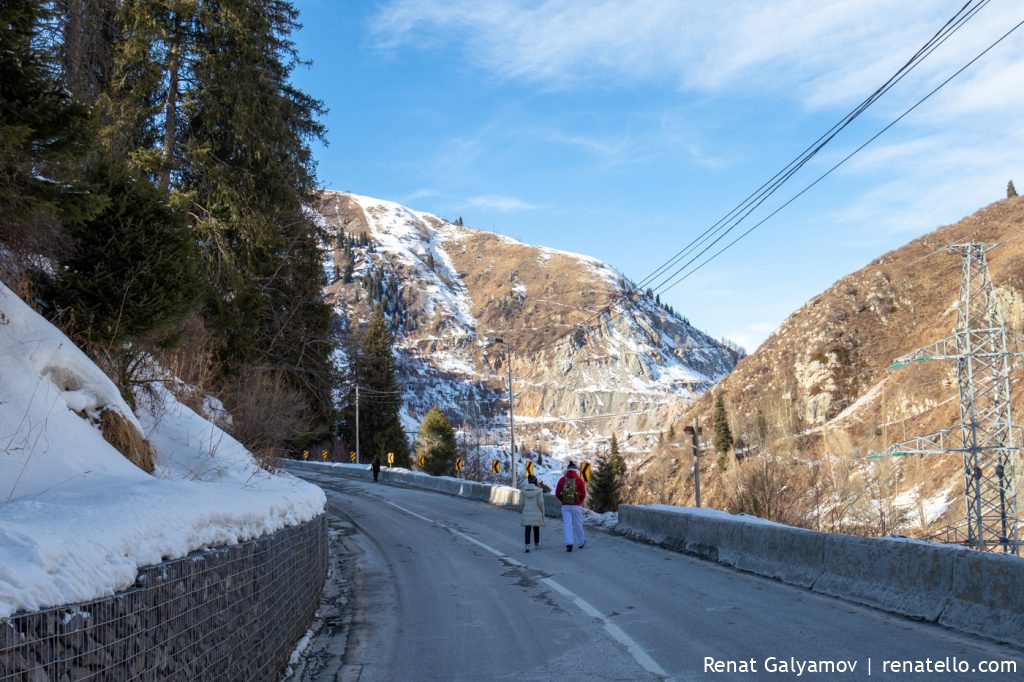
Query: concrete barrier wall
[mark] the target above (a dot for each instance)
(987, 596)
(498, 495)
(971, 591)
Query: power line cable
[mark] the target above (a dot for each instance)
(756, 198)
(874, 137)
(966, 12)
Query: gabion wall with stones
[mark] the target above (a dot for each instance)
(230, 613)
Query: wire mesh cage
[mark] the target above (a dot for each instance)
(229, 613)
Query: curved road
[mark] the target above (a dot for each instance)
(439, 588)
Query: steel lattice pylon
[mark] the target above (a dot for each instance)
(988, 437)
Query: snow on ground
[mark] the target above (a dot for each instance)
(77, 519)
(710, 513)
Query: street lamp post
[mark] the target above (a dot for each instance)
(511, 422)
(694, 432)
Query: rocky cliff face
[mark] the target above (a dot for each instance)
(820, 388)
(580, 348)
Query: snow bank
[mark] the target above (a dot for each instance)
(77, 520)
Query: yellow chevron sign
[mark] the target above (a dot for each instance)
(458, 464)
(423, 461)
(495, 466)
(585, 471)
(391, 458)
(529, 467)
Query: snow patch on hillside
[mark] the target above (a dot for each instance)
(411, 239)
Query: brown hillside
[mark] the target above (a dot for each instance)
(818, 394)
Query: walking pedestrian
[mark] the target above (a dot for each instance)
(571, 491)
(531, 511)
(376, 466)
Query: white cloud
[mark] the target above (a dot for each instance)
(950, 156)
(423, 193)
(752, 336)
(823, 52)
(501, 204)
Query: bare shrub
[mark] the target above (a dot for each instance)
(127, 439)
(834, 493)
(188, 355)
(763, 486)
(267, 414)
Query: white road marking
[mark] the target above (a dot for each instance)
(635, 650)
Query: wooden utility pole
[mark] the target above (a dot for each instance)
(694, 432)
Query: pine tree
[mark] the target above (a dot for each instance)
(140, 104)
(723, 435)
(609, 479)
(436, 443)
(133, 269)
(1011, 191)
(44, 132)
(380, 428)
(246, 170)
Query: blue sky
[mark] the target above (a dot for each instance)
(623, 128)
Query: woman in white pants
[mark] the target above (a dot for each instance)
(571, 491)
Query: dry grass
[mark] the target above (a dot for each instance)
(128, 440)
(266, 414)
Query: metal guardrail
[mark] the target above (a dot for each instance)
(229, 613)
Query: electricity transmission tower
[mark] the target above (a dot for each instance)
(989, 440)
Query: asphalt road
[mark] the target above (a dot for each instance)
(433, 587)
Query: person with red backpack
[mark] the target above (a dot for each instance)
(571, 491)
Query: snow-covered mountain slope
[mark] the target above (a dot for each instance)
(581, 347)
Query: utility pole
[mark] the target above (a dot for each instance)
(694, 432)
(986, 429)
(359, 459)
(511, 423)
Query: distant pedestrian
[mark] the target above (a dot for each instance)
(531, 511)
(571, 491)
(376, 466)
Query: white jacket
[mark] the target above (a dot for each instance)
(531, 506)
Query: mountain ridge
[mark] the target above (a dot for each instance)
(447, 287)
